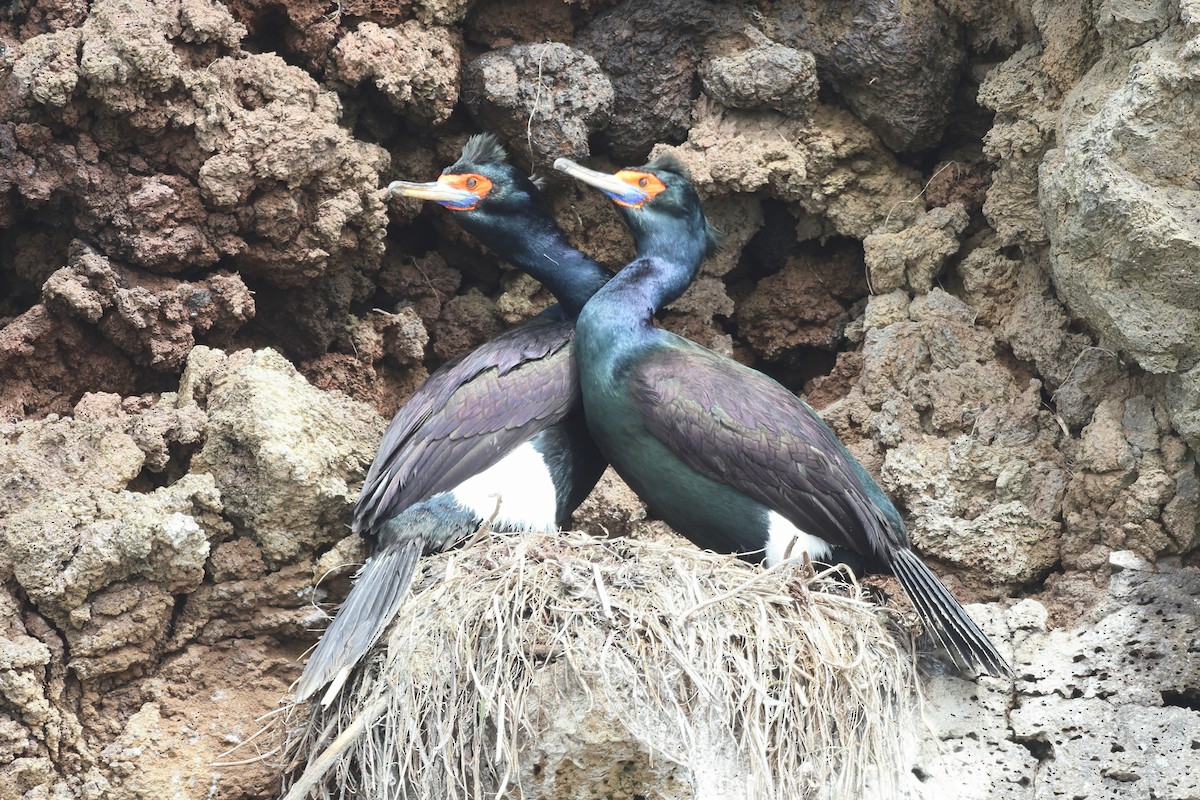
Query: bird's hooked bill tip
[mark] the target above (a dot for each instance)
(580, 172)
(403, 188)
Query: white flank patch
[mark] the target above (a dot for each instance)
(518, 491)
(785, 541)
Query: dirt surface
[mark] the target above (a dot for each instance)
(965, 234)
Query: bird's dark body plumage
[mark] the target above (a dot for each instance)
(469, 414)
(724, 454)
(495, 436)
(761, 439)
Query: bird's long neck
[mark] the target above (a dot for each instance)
(667, 262)
(633, 296)
(542, 251)
(619, 320)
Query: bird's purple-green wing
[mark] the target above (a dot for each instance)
(468, 415)
(739, 427)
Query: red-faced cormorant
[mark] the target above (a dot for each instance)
(724, 454)
(496, 435)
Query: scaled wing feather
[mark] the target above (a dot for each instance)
(737, 426)
(468, 415)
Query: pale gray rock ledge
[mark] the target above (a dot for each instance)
(1106, 709)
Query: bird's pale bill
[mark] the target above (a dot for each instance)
(629, 187)
(457, 192)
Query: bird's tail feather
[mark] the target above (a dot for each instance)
(370, 607)
(946, 618)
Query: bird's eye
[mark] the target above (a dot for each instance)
(644, 185)
(472, 183)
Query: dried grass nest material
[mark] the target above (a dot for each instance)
(770, 684)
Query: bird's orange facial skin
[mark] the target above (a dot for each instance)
(646, 182)
(470, 182)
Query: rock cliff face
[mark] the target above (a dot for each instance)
(968, 235)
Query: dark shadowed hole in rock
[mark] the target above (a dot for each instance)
(800, 366)
(13, 302)
(826, 94)
(1074, 326)
(145, 482)
(768, 249)
(1038, 748)
(300, 322)
(418, 237)
(31, 249)
(1038, 584)
(1023, 371)
(1188, 698)
(768, 252)
(1012, 252)
(920, 774)
(479, 270)
(595, 145)
(923, 161)
(148, 480)
(323, 548)
(268, 34)
(176, 613)
(1048, 402)
(15, 298)
(405, 243)
(374, 119)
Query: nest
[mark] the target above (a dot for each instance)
(561, 666)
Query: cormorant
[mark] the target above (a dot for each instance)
(494, 436)
(724, 454)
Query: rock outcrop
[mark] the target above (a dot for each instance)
(965, 233)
